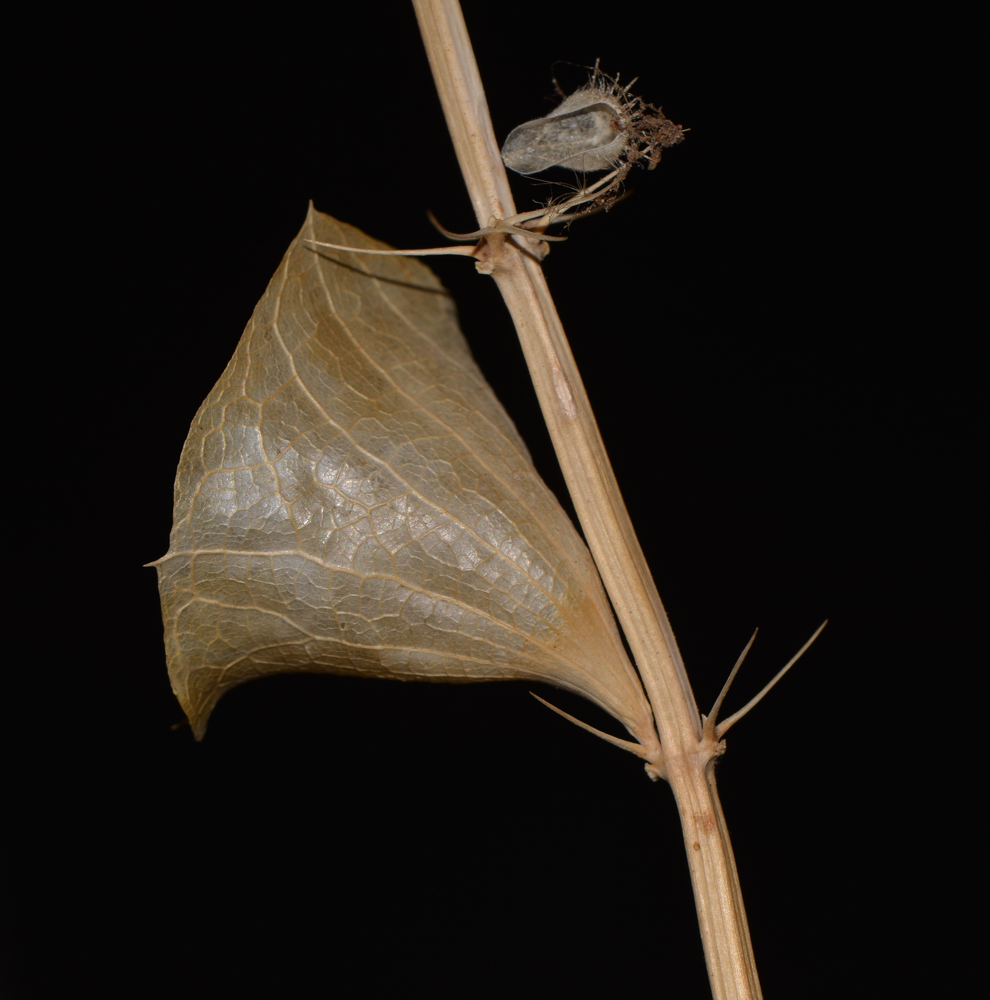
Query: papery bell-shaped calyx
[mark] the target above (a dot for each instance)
(352, 498)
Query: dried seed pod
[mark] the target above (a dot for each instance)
(597, 128)
(582, 133)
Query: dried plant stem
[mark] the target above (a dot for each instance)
(689, 753)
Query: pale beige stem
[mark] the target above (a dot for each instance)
(688, 754)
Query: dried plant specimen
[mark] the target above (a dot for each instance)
(353, 499)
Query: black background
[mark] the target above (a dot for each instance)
(773, 407)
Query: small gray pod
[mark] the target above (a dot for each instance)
(579, 134)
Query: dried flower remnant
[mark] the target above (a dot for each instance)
(601, 126)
